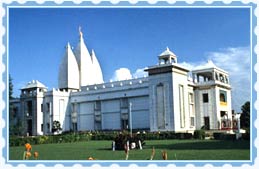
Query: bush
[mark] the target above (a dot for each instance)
(122, 138)
(199, 134)
(246, 136)
(43, 139)
(224, 136)
(217, 136)
(67, 137)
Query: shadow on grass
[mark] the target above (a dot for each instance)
(202, 145)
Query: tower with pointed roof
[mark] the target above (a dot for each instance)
(68, 78)
(98, 75)
(168, 90)
(89, 68)
(78, 68)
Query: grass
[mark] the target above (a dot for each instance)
(176, 150)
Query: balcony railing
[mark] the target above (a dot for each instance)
(226, 124)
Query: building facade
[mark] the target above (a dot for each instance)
(166, 100)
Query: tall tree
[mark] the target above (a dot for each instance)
(10, 87)
(245, 116)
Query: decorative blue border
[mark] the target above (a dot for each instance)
(4, 161)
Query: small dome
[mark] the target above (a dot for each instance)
(34, 84)
(167, 52)
(167, 57)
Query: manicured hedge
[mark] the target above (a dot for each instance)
(94, 135)
(224, 136)
(199, 134)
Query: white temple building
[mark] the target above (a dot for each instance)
(166, 100)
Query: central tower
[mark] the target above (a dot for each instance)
(168, 89)
(78, 68)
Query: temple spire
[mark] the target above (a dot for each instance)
(80, 31)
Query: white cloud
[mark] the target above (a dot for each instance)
(121, 74)
(125, 74)
(140, 73)
(236, 61)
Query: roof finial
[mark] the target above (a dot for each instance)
(93, 52)
(167, 48)
(80, 31)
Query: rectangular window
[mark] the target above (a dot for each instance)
(98, 118)
(97, 105)
(205, 97)
(206, 123)
(223, 97)
(191, 100)
(41, 107)
(29, 108)
(192, 121)
(41, 127)
(191, 106)
(192, 110)
(181, 106)
(124, 124)
(160, 104)
(124, 102)
(48, 107)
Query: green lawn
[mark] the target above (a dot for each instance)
(176, 150)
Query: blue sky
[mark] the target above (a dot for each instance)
(129, 38)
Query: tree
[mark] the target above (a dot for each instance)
(12, 128)
(245, 116)
(16, 126)
(56, 126)
(10, 87)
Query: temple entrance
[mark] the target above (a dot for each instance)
(29, 127)
(207, 123)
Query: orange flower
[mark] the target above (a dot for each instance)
(28, 155)
(36, 155)
(164, 155)
(90, 158)
(28, 147)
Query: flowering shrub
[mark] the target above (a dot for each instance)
(36, 155)
(122, 139)
(27, 155)
(27, 147)
(164, 155)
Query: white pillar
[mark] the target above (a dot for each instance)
(130, 104)
(140, 146)
(113, 146)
